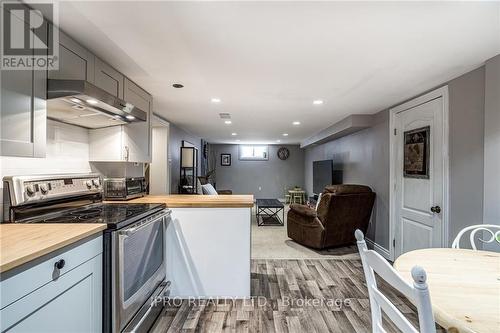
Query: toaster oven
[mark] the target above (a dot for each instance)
(124, 188)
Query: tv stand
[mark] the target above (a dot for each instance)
(313, 199)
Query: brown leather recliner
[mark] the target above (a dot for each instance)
(342, 209)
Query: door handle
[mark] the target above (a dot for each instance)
(436, 209)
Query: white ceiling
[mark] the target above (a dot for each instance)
(267, 61)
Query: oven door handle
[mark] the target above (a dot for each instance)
(132, 230)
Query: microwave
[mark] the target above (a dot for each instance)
(124, 188)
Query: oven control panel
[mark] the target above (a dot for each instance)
(30, 189)
(49, 188)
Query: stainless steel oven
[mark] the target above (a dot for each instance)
(138, 269)
(133, 246)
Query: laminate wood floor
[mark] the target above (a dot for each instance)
(311, 295)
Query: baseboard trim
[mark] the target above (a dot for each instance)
(379, 249)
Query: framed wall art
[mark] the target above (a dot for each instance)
(416, 153)
(225, 159)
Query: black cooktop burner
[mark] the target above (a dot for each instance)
(109, 213)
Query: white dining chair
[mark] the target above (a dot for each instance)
(418, 294)
(485, 228)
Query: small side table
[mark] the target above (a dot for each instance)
(268, 210)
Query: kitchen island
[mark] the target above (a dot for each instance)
(207, 244)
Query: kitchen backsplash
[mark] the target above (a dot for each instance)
(67, 152)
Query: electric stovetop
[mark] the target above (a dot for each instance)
(115, 215)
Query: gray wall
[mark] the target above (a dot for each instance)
(365, 158)
(466, 97)
(272, 176)
(177, 135)
(492, 145)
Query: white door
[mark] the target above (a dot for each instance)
(159, 169)
(419, 156)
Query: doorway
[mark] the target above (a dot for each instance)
(419, 173)
(159, 169)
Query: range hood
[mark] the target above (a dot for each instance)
(80, 103)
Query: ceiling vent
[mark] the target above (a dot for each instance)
(225, 115)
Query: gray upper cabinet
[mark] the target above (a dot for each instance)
(108, 78)
(23, 114)
(75, 62)
(137, 96)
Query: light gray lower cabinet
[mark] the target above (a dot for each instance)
(23, 112)
(75, 62)
(108, 78)
(45, 299)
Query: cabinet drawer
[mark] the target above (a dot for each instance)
(18, 284)
(108, 79)
(72, 303)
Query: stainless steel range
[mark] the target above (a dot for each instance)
(134, 241)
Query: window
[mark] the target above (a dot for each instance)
(255, 153)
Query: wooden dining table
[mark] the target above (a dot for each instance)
(464, 286)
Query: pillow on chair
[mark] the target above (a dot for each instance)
(317, 202)
(208, 189)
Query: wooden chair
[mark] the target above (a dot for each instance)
(485, 228)
(288, 197)
(418, 293)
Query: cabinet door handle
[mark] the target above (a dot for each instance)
(436, 209)
(60, 264)
(126, 153)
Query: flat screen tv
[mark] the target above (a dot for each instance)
(324, 175)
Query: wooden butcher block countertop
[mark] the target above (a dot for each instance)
(198, 201)
(21, 243)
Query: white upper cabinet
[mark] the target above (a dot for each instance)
(23, 114)
(138, 135)
(126, 143)
(108, 78)
(75, 62)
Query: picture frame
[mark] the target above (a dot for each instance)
(416, 153)
(225, 159)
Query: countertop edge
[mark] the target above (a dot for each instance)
(4, 267)
(196, 201)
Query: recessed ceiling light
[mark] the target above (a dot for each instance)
(130, 117)
(238, 140)
(317, 102)
(215, 100)
(296, 123)
(75, 100)
(278, 141)
(233, 134)
(227, 122)
(177, 85)
(92, 101)
(285, 134)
